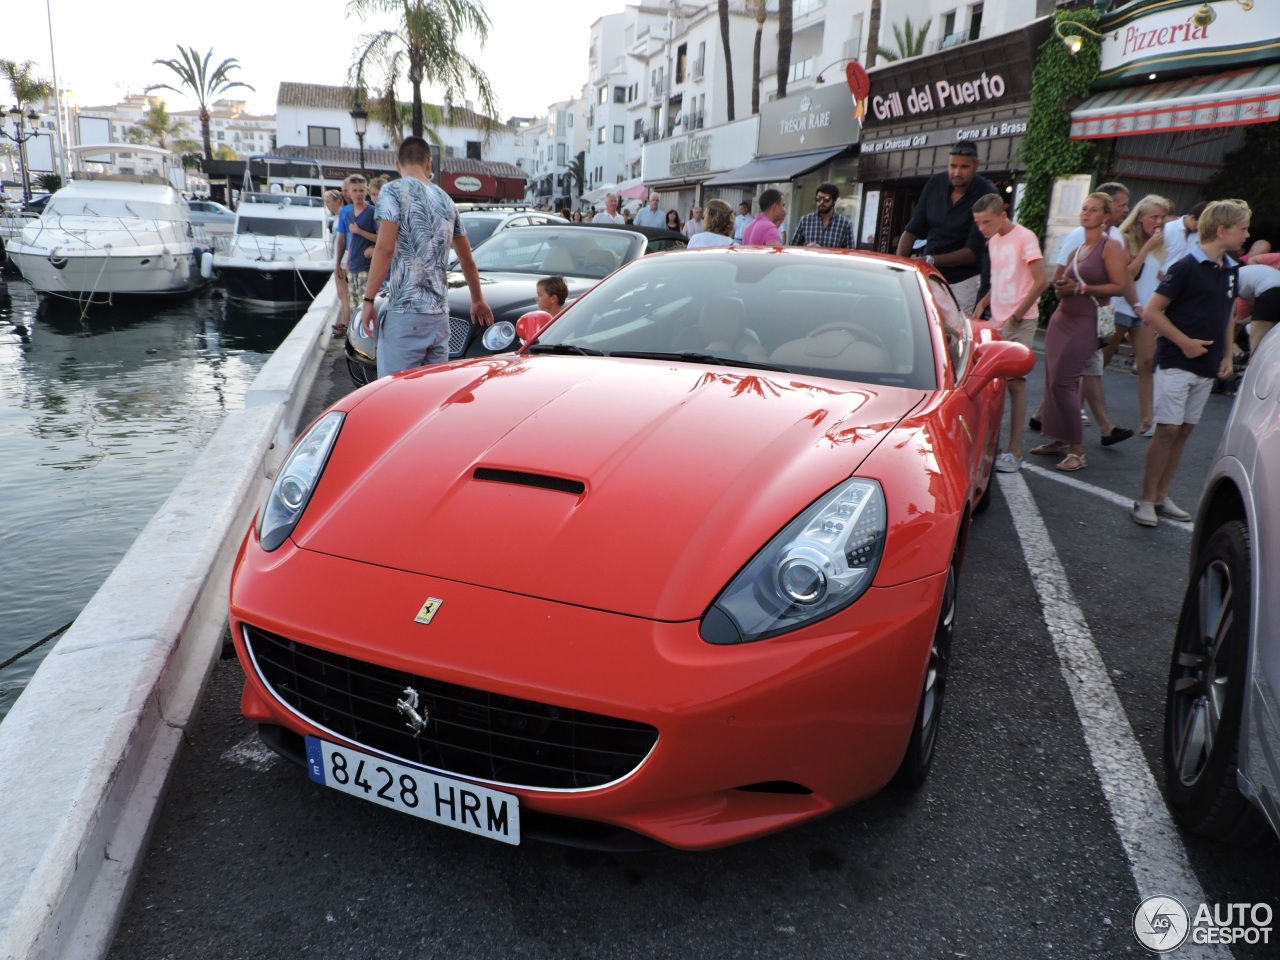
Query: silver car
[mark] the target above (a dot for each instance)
(1222, 713)
(214, 217)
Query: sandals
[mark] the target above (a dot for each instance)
(1073, 462)
(338, 329)
(1049, 450)
(1117, 435)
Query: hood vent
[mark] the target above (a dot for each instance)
(563, 484)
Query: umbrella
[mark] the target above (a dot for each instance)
(597, 195)
(638, 192)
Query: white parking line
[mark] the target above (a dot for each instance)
(1157, 858)
(1101, 492)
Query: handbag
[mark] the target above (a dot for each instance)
(1106, 312)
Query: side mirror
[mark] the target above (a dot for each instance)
(997, 360)
(533, 323)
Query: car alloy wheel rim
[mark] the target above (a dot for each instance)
(935, 680)
(1201, 690)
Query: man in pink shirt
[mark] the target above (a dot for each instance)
(1017, 279)
(763, 230)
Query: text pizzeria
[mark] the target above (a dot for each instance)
(1135, 40)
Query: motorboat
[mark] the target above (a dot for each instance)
(280, 253)
(118, 228)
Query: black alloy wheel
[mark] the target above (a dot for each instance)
(1207, 686)
(924, 733)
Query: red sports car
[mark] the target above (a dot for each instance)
(683, 569)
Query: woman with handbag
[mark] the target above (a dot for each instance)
(1094, 273)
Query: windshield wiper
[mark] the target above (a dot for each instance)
(564, 348)
(694, 357)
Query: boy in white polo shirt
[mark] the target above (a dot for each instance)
(1018, 279)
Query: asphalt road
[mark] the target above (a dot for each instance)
(1025, 842)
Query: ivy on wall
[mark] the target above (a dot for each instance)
(1060, 81)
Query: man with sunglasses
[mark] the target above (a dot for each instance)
(824, 227)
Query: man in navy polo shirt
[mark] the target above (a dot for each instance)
(944, 219)
(1191, 313)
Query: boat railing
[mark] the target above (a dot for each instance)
(86, 234)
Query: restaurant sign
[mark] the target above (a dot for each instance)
(1177, 37)
(932, 138)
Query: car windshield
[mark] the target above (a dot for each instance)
(568, 251)
(819, 314)
(479, 229)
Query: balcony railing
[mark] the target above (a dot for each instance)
(658, 88)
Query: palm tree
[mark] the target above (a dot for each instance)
(873, 33)
(784, 46)
(761, 15)
(393, 113)
(910, 43)
(575, 175)
(426, 40)
(204, 84)
(158, 126)
(728, 56)
(27, 90)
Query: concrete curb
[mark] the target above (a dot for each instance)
(86, 751)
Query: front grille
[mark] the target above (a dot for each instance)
(469, 732)
(459, 331)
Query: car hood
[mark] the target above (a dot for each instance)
(632, 486)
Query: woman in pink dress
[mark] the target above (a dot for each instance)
(1093, 274)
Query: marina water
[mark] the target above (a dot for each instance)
(100, 417)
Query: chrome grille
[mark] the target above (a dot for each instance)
(469, 732)
(459, 330)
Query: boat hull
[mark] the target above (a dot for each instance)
(99, 277)
(272, 284)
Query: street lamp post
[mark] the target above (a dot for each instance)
(360, 117)
(20, 138)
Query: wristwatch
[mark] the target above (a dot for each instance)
(928, 258)
(368, 299)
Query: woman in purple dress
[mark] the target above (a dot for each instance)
(1093, 274)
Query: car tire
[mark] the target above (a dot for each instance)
(1208, 676)
(916, 762)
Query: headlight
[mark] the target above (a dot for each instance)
(821, 562)
(296, 480)
(500, 336)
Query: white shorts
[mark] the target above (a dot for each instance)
(1179, 395)
(1093, 366)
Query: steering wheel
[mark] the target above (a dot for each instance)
(859, 331)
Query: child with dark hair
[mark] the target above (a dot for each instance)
(552, 293)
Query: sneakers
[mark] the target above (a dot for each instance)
(1144, 513)
(1008, 463)
(1149, 431)
(1084, 417)
(1167, 508)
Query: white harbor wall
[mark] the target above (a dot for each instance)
(87, 750)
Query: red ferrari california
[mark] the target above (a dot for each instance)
(681, 570)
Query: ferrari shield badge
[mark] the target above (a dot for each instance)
(428, 610)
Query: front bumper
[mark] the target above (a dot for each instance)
(751, 738)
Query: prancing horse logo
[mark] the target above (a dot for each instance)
(408, 708)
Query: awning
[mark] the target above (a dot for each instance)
(775, 169)
(1192, 103)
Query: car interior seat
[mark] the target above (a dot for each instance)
(722, 328)
(558, 260)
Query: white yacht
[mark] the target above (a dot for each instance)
(281, 252)
(112, 233)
